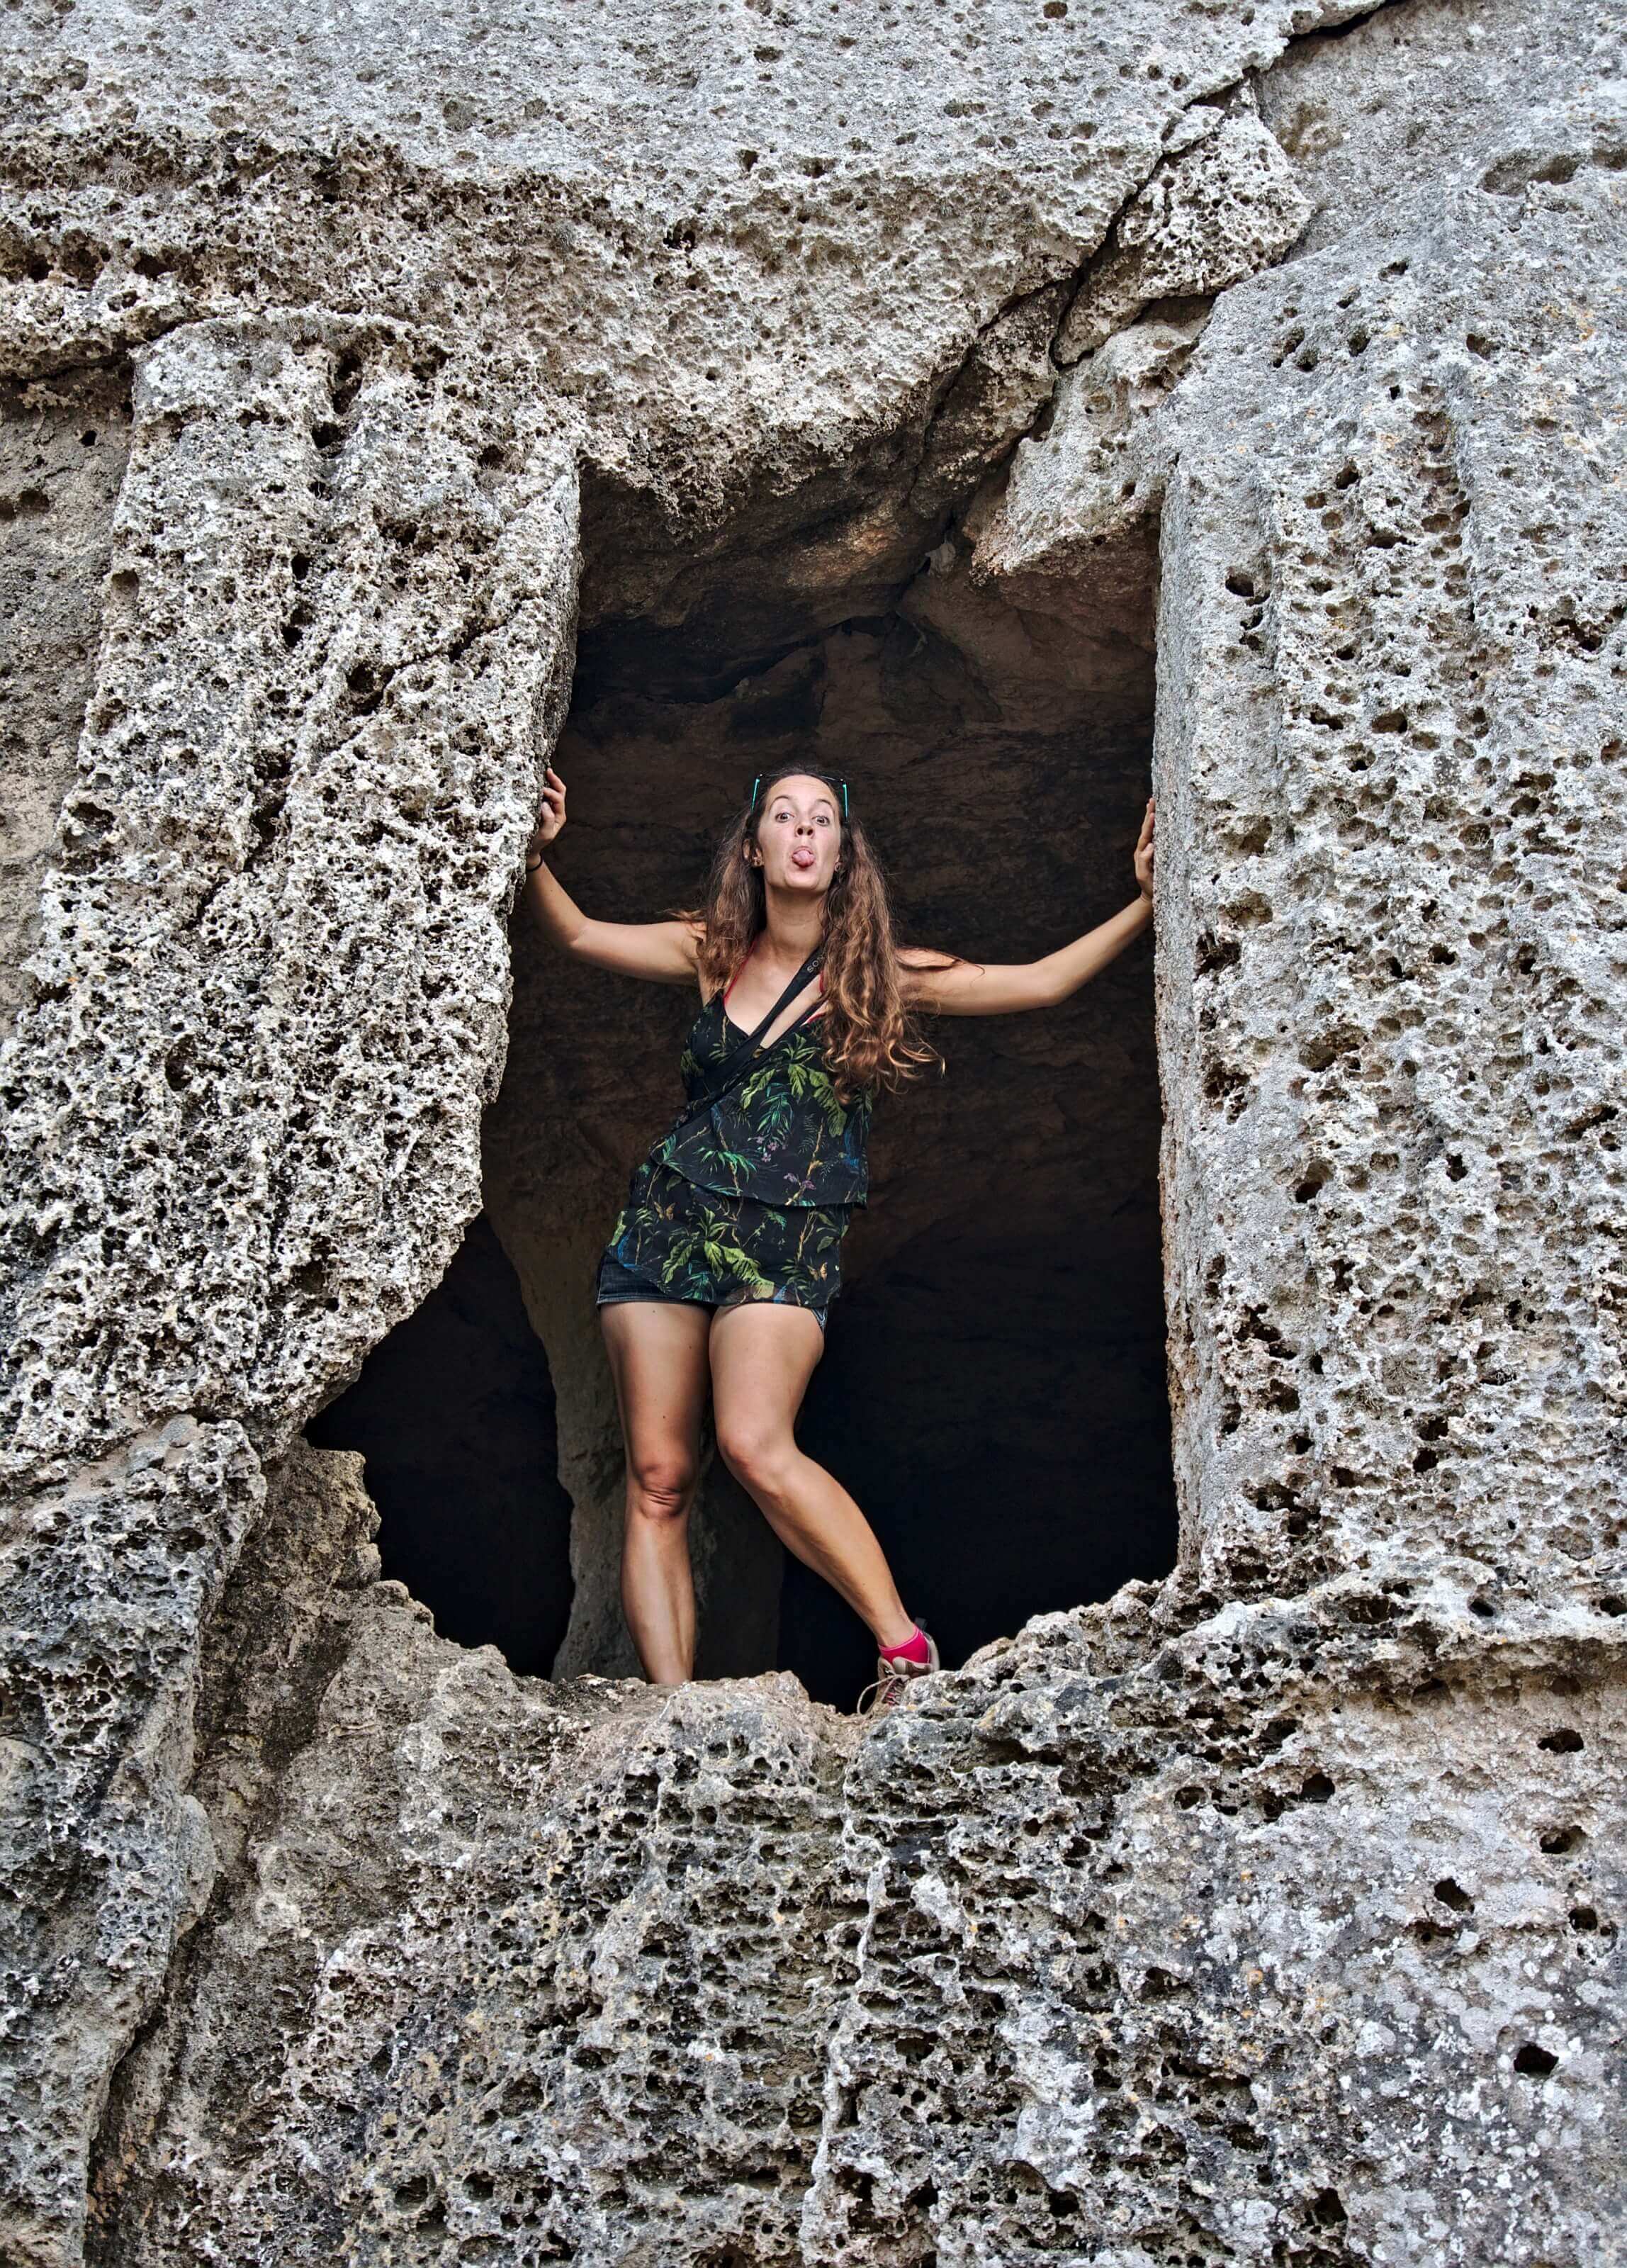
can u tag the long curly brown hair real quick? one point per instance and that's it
(870, 1038)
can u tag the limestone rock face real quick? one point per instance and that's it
(1223, 203)
(1269, 1914)
(1153, 1918)
(658, 1867)
(737, 251)
(64, 439)
(329, 643)
(1069, 532)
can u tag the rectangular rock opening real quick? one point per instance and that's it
(993, 1389)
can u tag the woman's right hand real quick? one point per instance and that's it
(550, 819)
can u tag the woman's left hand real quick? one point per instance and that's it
(1144, 854)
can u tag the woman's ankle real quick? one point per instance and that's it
(911, 1648)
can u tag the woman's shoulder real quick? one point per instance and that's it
(708, 982)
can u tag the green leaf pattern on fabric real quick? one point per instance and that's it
(783, 1134)
(751, 1199)
(696, 1244)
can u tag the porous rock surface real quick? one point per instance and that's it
(1233, 1932)
(1270, 1914)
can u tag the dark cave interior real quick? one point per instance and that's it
(453, 1413)
(993, 1390)
(996, 1399)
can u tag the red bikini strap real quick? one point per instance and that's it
(745, 957)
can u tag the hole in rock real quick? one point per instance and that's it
(993, 1387)
(453, 1413)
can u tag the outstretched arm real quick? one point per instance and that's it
(970, 988)
(664, 951)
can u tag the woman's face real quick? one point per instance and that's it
(799, 835)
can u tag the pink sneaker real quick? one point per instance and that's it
(894, 1679)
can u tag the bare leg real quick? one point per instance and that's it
(762, 1356)
(658, 1359)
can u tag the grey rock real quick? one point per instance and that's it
(1393, 1135)
(64, 441)
(1072, 532)
(740, 254)
(433, 1831)
(1222, 206)
(331, 645)
(1151, 1920)
(1381, 119)
(1270, 1913)
(108, 1854)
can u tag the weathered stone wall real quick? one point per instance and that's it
(266, 1005)
(64, 439)
(1285, 1934)
(1270, 1916)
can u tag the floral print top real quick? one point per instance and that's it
(781, 1134)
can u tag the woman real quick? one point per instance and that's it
(722, 1266)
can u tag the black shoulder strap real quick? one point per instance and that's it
(809, 968)
(737, 1062)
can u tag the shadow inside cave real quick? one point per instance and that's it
(995, 1398)
(453, 1414)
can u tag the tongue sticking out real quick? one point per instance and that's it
(802, 857)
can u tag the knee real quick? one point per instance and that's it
(758, 1456)
(659, 1487)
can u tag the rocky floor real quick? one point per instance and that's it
(1159, 1933)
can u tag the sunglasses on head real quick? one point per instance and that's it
(830, 778)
